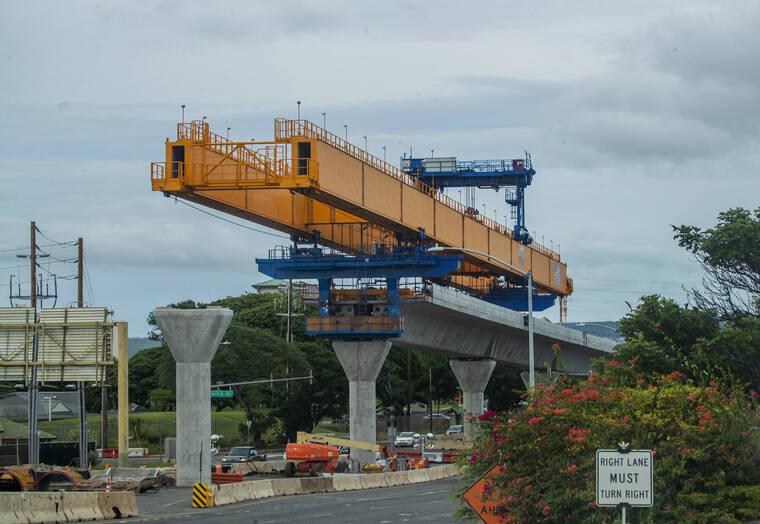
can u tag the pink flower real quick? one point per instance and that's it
(547, 509)
(473, 458)
(486, 415)
(572, 468)
(534, 420)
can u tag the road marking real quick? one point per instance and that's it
(172, 503)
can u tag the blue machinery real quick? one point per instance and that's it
(515, 174)
(371, 309)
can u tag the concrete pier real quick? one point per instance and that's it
(473, 376)
(193, 335)
(362, 361)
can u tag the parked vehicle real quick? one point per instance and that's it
(455, 429)
(440, 416)
(406, 438)
(244, 454)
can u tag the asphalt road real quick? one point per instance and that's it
(424, 502)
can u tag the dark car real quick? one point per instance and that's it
(244, 454)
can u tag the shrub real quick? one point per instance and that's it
(706, 464)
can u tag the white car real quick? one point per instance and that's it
(406, 438)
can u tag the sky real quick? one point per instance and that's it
(638, 115)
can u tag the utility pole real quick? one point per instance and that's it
(33, 439)
(409, 387)
(80, 384)
(289, 333)
(430, 397)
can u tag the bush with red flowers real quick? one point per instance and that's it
(705, 441)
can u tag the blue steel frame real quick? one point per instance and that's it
(388, 262)
(493, 174)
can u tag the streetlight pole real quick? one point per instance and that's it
(365, 142)
(324, 121)
(50, 399)
(299, 109)
(346, 127)
(525, 274)
(384, 154)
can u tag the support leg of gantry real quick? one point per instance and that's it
(473, 376)
(362, 361)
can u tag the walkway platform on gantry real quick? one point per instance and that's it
(449, 322)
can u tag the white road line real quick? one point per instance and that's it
(172, 503)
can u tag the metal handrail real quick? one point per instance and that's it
(285, 129)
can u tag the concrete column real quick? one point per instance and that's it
(473, 376)
(362, 361)
(193, 335)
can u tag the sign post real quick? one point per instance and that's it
(624, 477)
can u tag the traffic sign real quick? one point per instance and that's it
(221, 393)
(483, 503)
(624, 478)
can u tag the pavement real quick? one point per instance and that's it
(424, 502)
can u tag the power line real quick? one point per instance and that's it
(26, 248)
(55, 241)
(232, 222)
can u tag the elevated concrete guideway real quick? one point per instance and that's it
(448, 322)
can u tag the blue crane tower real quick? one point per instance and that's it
(514, 175)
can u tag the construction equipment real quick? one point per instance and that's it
(364, 219)
(317, 454)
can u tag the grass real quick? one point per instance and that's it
(148, 430)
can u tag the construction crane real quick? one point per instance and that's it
(444, 172)
(353, 216)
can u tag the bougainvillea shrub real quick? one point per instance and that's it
(704, 441)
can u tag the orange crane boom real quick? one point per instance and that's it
(311, 181)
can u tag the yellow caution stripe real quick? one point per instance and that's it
(200, 495)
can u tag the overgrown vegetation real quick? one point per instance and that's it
(683, 384)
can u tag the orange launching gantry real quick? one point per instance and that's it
(320, 189)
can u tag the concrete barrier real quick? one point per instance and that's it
(374, 480)
(117, 504)
(347, 482)
(317, 485)
(43, 507)
(11, 510)
(81, 506)
(259, 489)
(282, 487)
(400, 478)
(418, 475)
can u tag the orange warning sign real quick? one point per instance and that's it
(483, 506)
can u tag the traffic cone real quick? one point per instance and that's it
(108, 483)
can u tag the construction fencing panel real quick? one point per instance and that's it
(72, 344)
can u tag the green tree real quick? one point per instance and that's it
(729, 254)
(144, 373)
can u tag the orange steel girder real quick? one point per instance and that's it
(310, 180)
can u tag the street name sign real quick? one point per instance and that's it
(483, 504)
(624, 478)
(221, 393)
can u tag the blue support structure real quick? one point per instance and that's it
(446, 172)
(516, 298)
(387, 263)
